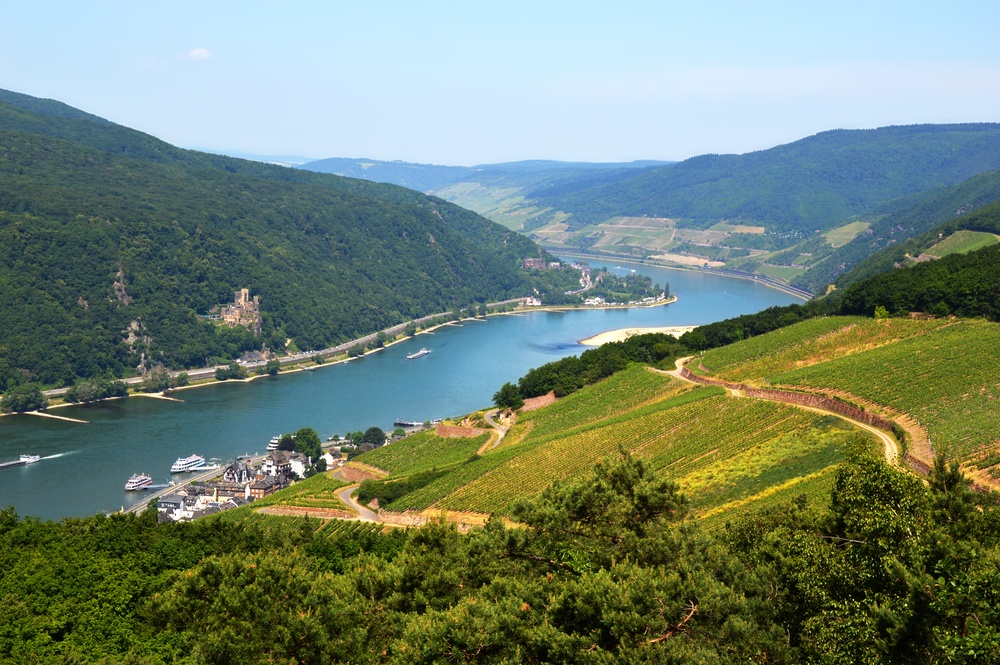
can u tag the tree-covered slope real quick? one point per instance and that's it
(815, 183)
(103, 228)
(903, 226)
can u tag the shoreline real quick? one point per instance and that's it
(622, 334)
(301, 365)
(764, 279)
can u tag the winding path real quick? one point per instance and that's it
(889, 443)
(500, 429)
(364, 514)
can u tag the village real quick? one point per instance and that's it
(241, 483)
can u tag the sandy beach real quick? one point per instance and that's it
(622, 334)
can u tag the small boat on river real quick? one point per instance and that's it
(418, 354)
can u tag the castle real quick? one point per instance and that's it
(242, 311)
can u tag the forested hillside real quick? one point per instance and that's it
(113, 243)
(815, 183)
(902, 226)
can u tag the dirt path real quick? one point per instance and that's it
(889, 443)
(500, 430)
(364, 514)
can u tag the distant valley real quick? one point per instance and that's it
(805, 213)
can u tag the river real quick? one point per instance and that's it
(85, 466)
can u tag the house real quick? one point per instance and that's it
(238, 472)
(278, 463)
(261, 488)
(298, 463)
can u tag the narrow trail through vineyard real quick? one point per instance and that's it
(889, 443)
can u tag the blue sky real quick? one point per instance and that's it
(478, 82)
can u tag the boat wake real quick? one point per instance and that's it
(59, 455)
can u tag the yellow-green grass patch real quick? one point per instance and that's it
(842, 235)
(961, 242)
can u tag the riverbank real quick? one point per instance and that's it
(623, 334)
(766, 280)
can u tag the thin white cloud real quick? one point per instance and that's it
(199, 53)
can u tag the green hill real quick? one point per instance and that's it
(908, 225)
(726, 453)
(815, 183)
(105, 231)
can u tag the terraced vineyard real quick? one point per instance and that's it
(620, 392)
(718, 447)
(422, 451)
(946, 378)
(811, 341)
(319, 491)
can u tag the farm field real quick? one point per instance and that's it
(422, 451)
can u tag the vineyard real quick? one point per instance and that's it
(718, 448)
(946, 379)
(809, 342)
(319, 491)
(620, 392)
(422, 451)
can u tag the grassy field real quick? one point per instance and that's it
(962, 242)
(842, 235)
(421, 452)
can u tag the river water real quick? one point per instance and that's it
(85, 466)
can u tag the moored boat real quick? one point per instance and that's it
(190, 463)
(138, 481)
(274, 442)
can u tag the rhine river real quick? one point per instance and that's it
(85, 466)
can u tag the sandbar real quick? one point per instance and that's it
(623, 334)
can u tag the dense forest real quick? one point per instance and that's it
(603, 569)
(112, 243)
(814, 183)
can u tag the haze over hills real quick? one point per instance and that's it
(113, 243)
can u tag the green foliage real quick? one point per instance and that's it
(387, 491)
(570, 374)
(158, 380)
(90, 391)
(86, 204)
(231, 371)
(508, 397)
(374, 436)
(25, 397)
(273, 367)
(307, 442)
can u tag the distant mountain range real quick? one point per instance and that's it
(805, 213)
(112, 243)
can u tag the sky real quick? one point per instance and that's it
(483, 82)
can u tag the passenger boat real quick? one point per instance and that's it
(418, 354)
(274, 442)
(138, 481)
(192, 463)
